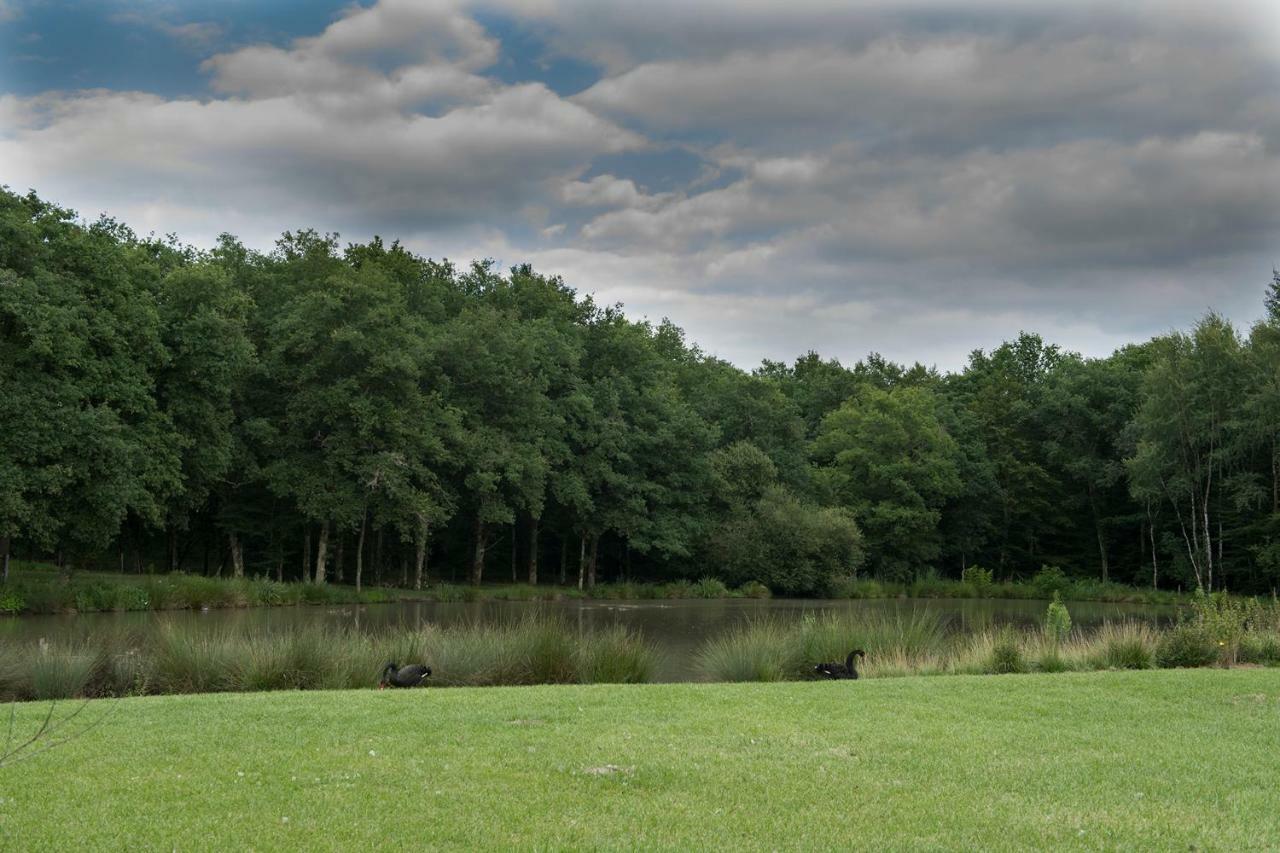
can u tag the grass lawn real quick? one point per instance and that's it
(1116, 760)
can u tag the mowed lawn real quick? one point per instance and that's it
(1151, 760)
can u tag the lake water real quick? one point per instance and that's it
(677, 627)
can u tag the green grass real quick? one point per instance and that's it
(1156, 760)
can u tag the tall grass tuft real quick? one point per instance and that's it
(1006, 654)
(760, 650)
(195, 662)
(616, 655)
(1125, 645)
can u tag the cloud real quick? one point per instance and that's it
(317, 132)
(915, 177)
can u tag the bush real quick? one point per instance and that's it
(1006, 653)
(93, 597)
(1224, 619)
(1261, 647)
(754, 589)
(1185, 644)
(977, 577)
(1050, 580)
(1057, 621)
(130, 597)
(11, 601)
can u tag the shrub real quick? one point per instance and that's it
(1050, 580)
(1261, 647)
(754, 589)
(1185, 644)
(1224, 619)
(1006, 653)
(93, 597)
(977, 577)
(11, 601)
(130, 597)
(1057, 621)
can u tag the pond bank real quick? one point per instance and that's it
(36, 589)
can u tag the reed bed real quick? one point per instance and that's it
(172, 660)
(919, 644)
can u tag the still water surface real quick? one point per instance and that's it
(677, 627)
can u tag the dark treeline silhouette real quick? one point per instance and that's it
(366, 415)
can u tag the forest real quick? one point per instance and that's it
(358, 413)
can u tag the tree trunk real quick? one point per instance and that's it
(377, 557)
(322, 552)
(1155, 565)
(237, 556)
(306, 553)
(338, 559)
(173, 548)
(4, 558)
(420, 557)
(477, 562)
(280, 566)
(515, 551)
(591, 563)
(364, 518)
(582, 560)
(564, 558)
(533, 551)
(1097, 528)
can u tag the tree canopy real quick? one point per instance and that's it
(361, 413)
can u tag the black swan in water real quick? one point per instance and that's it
(848, 669)
(394, 675)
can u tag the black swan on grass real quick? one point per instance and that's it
(848, 669)
(394, 675)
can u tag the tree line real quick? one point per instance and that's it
(365, 414)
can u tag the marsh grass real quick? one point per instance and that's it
(1125, 645)
(760, 650)
(173, 660)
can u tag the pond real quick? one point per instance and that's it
(678, 627)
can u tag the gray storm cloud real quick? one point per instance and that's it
(915, 178)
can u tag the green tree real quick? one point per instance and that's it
(886, 456)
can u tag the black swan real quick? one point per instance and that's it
(848, 669)
(394, 675)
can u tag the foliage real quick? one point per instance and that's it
(363, 415)
(1185, 644)
(1006, 653)
(977, 577)
(1057, 621)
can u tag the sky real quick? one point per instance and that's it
(916, 178)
